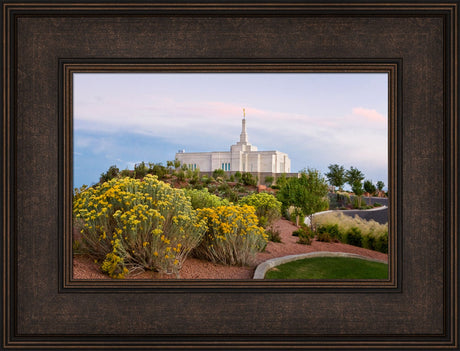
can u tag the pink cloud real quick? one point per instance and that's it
(370, 115)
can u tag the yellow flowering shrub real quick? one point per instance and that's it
(233, 236)
(130, 224)
(268, 208)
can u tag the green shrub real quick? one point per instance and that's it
(381, 243)
(304, 240)
(324, 237)
(249, 179)
(130, 224)
(328, 233)
(206, 180)
(218, 173)
(189, 173)
(111, 173)
(226, 191)
(354, 230)
(368, 242)
(268, 208)
(281, 181)
(354, 237)
(222, 187)
(293, 214)
(125, 173)
(202, 199)
(157, 169)
(180, 174)
(140, 170)
(274, 235)
(195, 176)
(220, 180)
(269, 180)
(212, 188)
(233, 236)
(305, 235)
(194, 181)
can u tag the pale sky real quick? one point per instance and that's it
(316, 118)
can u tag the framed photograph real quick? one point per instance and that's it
(161, 117)
(73, 72)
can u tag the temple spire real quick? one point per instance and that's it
(243, 135)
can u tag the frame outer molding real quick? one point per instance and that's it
(14, 320)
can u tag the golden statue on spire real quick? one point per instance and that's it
(244, 113)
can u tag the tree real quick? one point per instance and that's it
(140, 170)
(292, 194)
(307, 194)
(380, 185)
(111, 173)
(369, 187)
(173, 165)
(125, 173)
(157, 169)
(280, 181)
(336, 176)
(354, 177)
(170, 166)
(358, 190)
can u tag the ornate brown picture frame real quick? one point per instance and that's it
(416, 43)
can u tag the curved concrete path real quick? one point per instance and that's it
(262, 268)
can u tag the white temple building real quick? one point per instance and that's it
(242, 157)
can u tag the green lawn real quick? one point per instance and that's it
(329, 268)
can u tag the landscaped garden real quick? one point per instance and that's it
(163, 219)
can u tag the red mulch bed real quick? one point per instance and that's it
(85, 268)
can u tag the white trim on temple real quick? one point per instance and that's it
(242, 157)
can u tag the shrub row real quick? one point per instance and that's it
(354, 231)
(129, 224)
